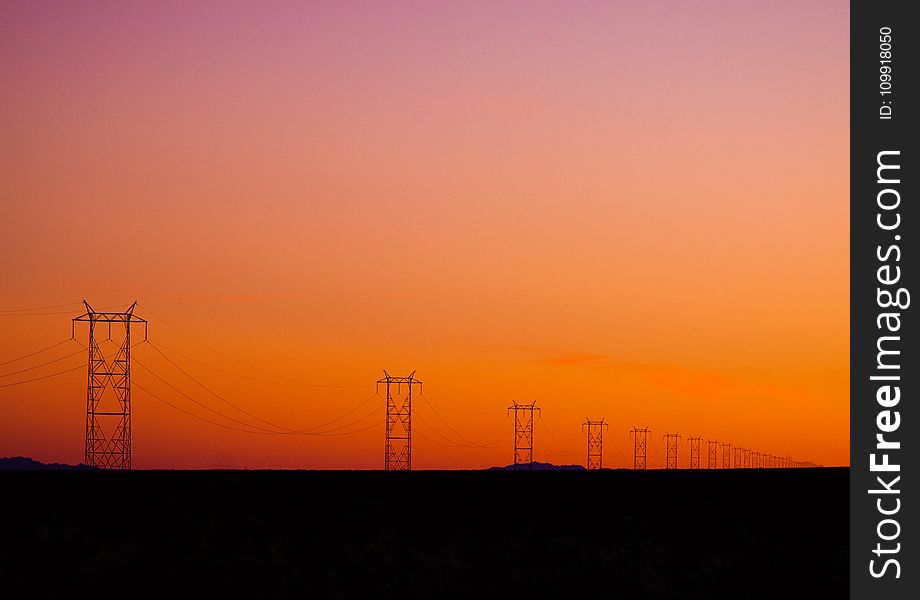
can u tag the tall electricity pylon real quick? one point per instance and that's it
(640, 447)
(398, 456)
(694, 451)
(747, 458)
(108, 387)
(523, 434)
(671, 441)
(726, 456)
(595, 431)
(739, 457)
(712, 454)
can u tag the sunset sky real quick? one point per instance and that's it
(631, 210)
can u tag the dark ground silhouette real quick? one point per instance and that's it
(473, 534)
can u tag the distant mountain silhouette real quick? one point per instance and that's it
(24, 463)
(539, 466)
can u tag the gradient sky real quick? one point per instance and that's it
(630, 210)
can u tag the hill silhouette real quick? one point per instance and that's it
(24, 463)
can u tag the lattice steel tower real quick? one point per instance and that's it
(739, 457)
(523, 434)
(108, 387)
(694, 451)
(595, 431)
(640, 447)
(671, 441)
(398, 456)
(712, 452)
(726, 456)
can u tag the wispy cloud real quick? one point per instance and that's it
(673, 377)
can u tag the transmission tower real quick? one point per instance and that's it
(694, 451)
(108, 387)
(712, 454)
(670, 444)
(523, 434)
(747, 458)
(640, 447)
(398, 455)
(595, 431)
(726, 456)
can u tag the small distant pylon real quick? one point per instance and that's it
(694, 451)
(747, 458)
(595, 431)
(398, 455)
(108, 388)
(523, 434)
(739, 457)
(640, 447)
(726, 456)
(712, 454)
(671, 441)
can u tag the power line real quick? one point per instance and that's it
(42, 377)
(234, 359)
(454, 444)
(39, 308)
(230, 427)
(201, 404)
(59, 372)
(249, 377)
(44, 364)
(443, 445)
(449, 426)
(24, 356)
(306, 430)
(256, 428)
(222, 399)
(561, 450)
(218, 396)
(38, 312)
(450, 443)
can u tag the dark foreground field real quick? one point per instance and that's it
(613, 534)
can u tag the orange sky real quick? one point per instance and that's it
(636, 211)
